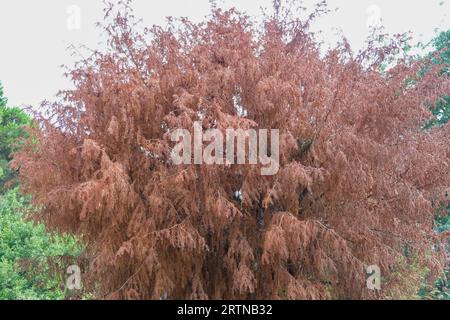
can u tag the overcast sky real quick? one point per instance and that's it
(34, 34)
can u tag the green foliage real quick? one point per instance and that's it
(28, 252)
(441, 116)
(441, 110)
(441, 288)
(442, 43)
(12, 121)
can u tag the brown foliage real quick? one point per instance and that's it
(359, 182)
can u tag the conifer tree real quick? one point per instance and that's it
(359, 180)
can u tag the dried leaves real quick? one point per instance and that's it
(359, 178)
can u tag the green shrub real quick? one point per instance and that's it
(31, 259)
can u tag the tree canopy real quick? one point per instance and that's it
(360, 181)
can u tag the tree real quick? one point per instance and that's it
(359, 179)
(441, 110)
(441, 116)
(12, 121)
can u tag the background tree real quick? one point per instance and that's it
(441, 110)
(12, 122)
(441, 116)
(359, 184)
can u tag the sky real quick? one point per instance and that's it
(35, 34)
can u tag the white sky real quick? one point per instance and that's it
(34, 34)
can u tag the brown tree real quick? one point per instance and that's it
(359, 184)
